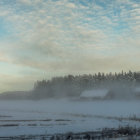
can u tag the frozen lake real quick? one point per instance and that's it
(61, 116)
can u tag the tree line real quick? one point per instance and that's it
(71, 85)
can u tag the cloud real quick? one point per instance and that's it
(70, 36)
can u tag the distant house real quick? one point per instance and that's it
(94, 94)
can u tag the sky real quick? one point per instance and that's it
(40, 39)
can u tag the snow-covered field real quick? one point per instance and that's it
(61, 116)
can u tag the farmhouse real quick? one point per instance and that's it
(94, 94)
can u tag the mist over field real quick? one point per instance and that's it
(118, 86)
(69, 69)
(74, 106)
(46, 118)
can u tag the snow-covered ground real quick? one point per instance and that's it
(60, 116)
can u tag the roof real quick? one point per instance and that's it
(94, 93)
